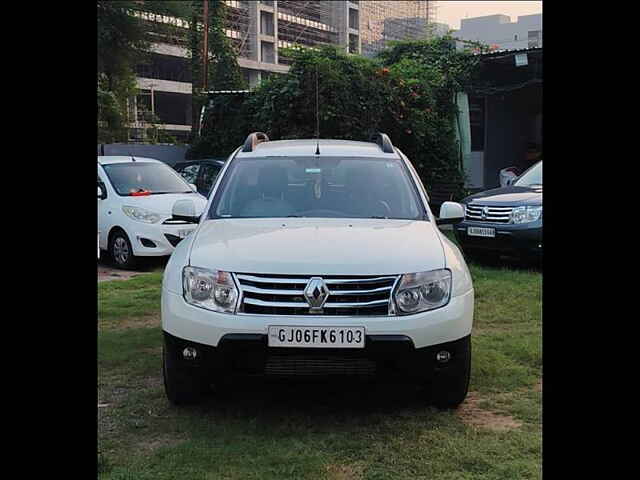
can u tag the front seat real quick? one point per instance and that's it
(271, 187)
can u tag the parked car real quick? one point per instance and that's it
(505, 221)
(135, 200)
(318, 259)
(202, 173)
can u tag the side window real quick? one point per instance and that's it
(190, 173)
(208, 177)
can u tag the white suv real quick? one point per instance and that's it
(318, 259)
(136, 198)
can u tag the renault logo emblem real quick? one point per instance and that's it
(316, 293)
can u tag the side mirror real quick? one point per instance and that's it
(450, 213)
(101, 193)
(185, 210)
(193, 187)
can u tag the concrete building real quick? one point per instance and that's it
(259, 30)
(499, 30)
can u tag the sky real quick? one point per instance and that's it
(452, 11)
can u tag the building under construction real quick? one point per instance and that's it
(259, 31)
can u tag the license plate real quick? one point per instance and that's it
(317, 337)
(481, 232)
(184, 233)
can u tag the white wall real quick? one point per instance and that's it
(500, 30)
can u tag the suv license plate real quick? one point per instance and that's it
(481, 232)
(316, 337)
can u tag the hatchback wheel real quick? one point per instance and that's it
(121, 251)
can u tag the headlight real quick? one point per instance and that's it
(141, 214)
(419, 292)
(526, 214)
(211, 289)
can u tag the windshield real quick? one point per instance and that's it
(150, 178)
(330, 187)
(533, 176)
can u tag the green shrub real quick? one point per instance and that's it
(408, 93)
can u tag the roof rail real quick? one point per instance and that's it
(253, 140)
(383, 142)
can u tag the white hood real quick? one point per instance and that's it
(317, 246)
(163, 203)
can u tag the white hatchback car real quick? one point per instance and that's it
(136, 198)
(318, 259)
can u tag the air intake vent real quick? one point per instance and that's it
(318, 366)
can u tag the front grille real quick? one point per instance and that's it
(318, 365)
(284, 294)
(493, 214)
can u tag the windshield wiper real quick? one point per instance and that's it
(377, 216)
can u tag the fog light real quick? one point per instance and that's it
(443, 356)
(189, 353)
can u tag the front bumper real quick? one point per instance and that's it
(164, 237)
(425, 329)
(389, 357)
(519, 240)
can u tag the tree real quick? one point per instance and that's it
(123, 42)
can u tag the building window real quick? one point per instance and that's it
(353, 19)
(535, 38)
(267, 2)
(515, 37)
(246, 74)
(267, 52)
(266, 23)
(476, 120)
(353, 43)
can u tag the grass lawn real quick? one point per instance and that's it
(256, 432)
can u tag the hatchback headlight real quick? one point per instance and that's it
(419, 292)
(140, 214)
(211, 289)
(526, 214)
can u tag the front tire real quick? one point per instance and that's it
(182, 386)
(121, 251)
(449, 389)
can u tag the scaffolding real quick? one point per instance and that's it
(238, 23)
(307, 23)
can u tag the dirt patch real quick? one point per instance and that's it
(471, 414)
(538, 386)
(344, 472)
(106, 273)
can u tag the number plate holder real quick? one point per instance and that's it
(315, 336)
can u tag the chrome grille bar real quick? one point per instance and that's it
(251, 278)
(270, 291)
(253, 301)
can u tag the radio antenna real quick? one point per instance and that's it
(317, 116)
